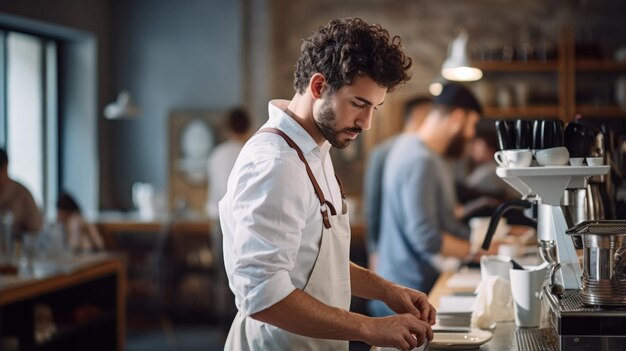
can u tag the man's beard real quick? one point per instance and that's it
(326, 123)
(456, 148)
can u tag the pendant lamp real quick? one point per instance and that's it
(456, 67)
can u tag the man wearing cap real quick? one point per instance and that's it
(419, 229)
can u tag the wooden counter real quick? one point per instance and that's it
(97, 280)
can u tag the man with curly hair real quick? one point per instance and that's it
(285, 224)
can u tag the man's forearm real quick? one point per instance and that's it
(367, 284)
(455, 247)
(302, 314)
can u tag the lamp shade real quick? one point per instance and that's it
(123, 107)
(456, 67)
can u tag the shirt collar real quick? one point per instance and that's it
(281, 120)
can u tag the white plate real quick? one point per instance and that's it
(452, 341)
(460, 341)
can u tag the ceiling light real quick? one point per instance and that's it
(456, 67)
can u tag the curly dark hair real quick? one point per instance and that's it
(346, 48)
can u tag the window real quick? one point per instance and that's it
(28, 117)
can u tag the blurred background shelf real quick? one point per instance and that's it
(518, 66)
(600, 65)
(521, 112)
(601, 111)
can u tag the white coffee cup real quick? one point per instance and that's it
(514, 158)
(526, 287)
(576, 161)
(554, 156)
(595, 161)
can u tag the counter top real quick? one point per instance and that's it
(53, 275)
(504, 336)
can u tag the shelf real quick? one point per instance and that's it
(521, 112)
(599, 65)
(600, 111)
(517, 66)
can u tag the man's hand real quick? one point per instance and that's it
(404, 331)
(405, 300)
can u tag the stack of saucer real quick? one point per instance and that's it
(455, 311)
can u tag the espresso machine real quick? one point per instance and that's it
(545, 187)
(587, 311)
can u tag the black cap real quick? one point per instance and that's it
(456, 95)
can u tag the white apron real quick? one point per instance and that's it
(329, 282)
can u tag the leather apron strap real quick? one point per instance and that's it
(318, 190)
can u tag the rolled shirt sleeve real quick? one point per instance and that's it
(263, 231)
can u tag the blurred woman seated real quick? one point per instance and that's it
(81, 235)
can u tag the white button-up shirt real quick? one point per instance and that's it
(270, 215)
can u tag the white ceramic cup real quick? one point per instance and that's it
(495, 266)
(514, 158)
(576, 161)
(526, 289)
(555, 156)
(595, 161)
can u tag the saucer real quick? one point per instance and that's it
(462, 340)
(450, 339)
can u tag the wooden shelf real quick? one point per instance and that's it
(521, 112)
(600, 111)
(517, 66)
(599, 65)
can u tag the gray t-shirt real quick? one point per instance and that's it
(418, 205)
(372, 192)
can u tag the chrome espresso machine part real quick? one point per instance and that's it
(546, 186)
(576, 324)
(604, 262)
(594, 317)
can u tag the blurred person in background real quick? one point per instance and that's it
(17, 202)
(419, 227)
(220, 163)
(81, 235)
(481, 190)
(415, 110)
(223, 157)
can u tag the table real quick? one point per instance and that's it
(64, 284)
(112, 224)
